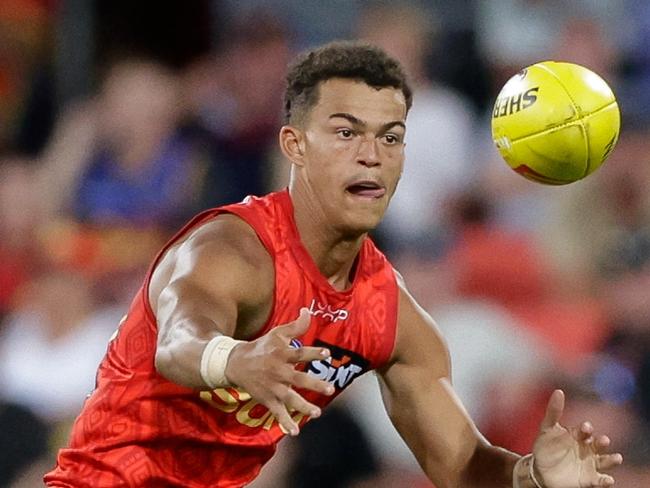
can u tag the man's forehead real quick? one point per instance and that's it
(339, 95)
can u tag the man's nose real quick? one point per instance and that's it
(368, 152)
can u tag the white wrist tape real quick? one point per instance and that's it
(515, 473)
(214, 361)
(531, 472)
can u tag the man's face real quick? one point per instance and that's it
(353, 152)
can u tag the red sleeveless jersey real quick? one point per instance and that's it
(139, 429)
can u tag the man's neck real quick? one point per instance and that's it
(333, 253)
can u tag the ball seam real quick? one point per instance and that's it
(564, 124)
(578, 111)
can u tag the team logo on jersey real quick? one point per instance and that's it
(341, 368)
(324, 310)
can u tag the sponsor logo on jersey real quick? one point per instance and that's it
(324, 310)
(340, 369)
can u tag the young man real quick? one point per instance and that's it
(211, 367)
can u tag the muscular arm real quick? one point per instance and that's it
(417, 392)
(202, 288)
(220, 281)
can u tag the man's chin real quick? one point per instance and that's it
(357, 224)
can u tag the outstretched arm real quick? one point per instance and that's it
(420, 400)
(218, 284)
(418, 395)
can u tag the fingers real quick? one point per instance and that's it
(608, 461)
(289, 401)
(601, 443)
(585, 433)
(287, 424)
(604, 480)
(306, 354)
(605, 460)
(296, 328)
(278, 377)
(554, 410)
(602, 461)
(294, 402)
(306, 382)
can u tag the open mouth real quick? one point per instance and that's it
(367, 189)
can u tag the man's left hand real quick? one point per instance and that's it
(571, 458)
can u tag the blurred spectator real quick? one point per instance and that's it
(620, 376)
(312, 21)
(332, 451)
(23, 440)
(585, 41)
(509, 268)
(125, 154)
(132, 172)
(643, 384)
(599, 233)
(64, 158)
(26, 87)
(485, 341)
(237, 97)
(174, 33)
(364, 402)
(439, 136)
(340, 449)
(144, 169)
(516, 33)
(18, 227)
(457, 62)
(51, 345)
(633, 92)
(113, 258)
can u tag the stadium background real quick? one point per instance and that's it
(120, 119)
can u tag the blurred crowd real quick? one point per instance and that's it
(119, 120)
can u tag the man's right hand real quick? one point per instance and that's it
(265, 369)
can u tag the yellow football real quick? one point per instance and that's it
(555, 122)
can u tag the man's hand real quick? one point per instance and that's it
(265, 368)
(571, 458)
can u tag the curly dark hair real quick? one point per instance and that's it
(339, 59)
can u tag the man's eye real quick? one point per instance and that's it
(391, 139)
(345, 133)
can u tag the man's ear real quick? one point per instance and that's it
(292, 144)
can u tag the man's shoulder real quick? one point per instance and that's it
(410, 311)
(222, 253)
(227, 235)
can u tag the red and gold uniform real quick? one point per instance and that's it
(139, 429)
